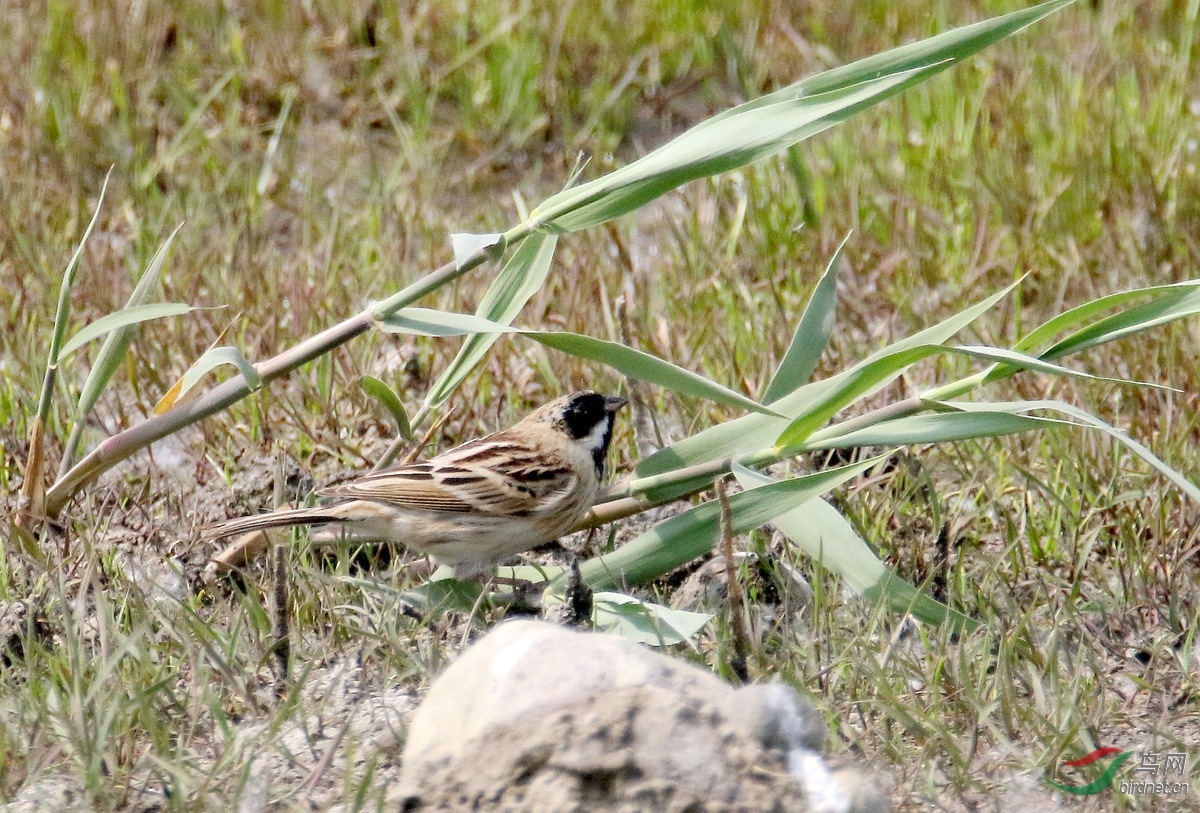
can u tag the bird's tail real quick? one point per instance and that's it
(275, 519)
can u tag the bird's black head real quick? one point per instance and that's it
(587, 417)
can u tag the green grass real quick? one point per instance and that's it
(1068, 152)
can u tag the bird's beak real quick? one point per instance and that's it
(613, 403)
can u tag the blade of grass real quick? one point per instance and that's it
(211, 359)
(895, 424)
(33, 495)
(774, 122)
(1084, 313)
(645, 622)
(126, 443)
(1180, 302)
(127, 317)
(381, 392)
(678, 540)
(645, 367)
(818, 529)
(755, 432)
(113, 351)
(1084, 418)
(465, 245)
(812, 334)
(866, 378)
(117, 343)
(521, 277)
(62, 315)
(954, 45)
(266, 174)
(941, 427)
(716, 146)
(167, 157)
(428, 322)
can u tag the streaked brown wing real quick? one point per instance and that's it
(411, 486)
(506, 475)
(512, 483)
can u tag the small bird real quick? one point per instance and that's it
(479, 503)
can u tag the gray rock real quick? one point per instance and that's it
(535, 717)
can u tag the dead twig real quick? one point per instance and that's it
(281, 650)
(737, 603)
